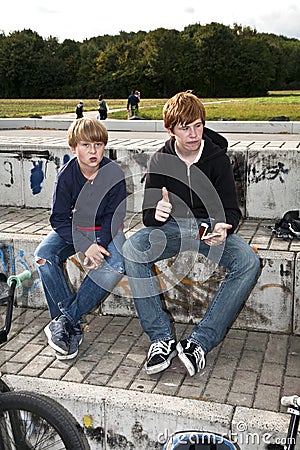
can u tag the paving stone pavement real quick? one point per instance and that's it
(248, 368)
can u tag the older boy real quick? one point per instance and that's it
(87, 217)
(189, 182)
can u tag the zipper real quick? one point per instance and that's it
(189, 212)
(188, 169)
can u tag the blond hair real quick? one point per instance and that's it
(87, 130)
(183, 108)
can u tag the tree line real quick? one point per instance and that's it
(213, 60)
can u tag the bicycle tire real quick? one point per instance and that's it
(31, 421)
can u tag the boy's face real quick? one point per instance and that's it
(188, 137)
(89, 154)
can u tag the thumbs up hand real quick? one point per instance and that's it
(163, 207)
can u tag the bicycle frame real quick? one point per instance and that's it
(9, 300)
(293, 404)
(13, 282)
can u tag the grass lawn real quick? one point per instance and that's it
(261, 108)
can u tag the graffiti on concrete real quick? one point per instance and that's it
(9, 169)
(117, 440)
(268, 173)
(9, 260)
(36, 177)
(13, 263)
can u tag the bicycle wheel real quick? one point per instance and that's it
(30, 421)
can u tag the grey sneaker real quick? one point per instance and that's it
(76, 339)
(192, 356)
(58, 333)
(160, 355)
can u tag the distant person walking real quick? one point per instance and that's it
(133, 103)
(79, 110)
(102, 107)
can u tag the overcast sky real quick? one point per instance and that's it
(79, 20)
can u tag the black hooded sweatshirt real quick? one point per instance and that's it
(206, 189)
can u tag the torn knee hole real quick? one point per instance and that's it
(41, 262)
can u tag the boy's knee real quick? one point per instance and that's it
(133, 246)
(40, 260)
(252, 262)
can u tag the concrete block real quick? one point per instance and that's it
(8, 124)
(55, 124)
(273, 182)
(130, 125)
(28, 174)
(296, 127)
(270, 304)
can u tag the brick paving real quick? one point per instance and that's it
(249, 368)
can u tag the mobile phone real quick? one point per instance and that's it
(202, 230)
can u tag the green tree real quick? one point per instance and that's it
(253, 66)
(161, 57)
(217, 44)
(20, 66)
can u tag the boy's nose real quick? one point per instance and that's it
(192, 131)
(93, 148)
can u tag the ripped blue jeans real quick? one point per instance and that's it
(97, 284)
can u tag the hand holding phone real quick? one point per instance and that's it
(210, 235)
(203, 235)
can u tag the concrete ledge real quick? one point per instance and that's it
(157, 125)
(28, 172)
(144, 421)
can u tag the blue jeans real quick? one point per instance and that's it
(97, 284)
(152, 244)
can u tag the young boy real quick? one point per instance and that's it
(189, 182)
(87, 217)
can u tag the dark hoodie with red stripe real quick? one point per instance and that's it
(206, 189)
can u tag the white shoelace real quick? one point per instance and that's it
(200, 357)
(161, 347)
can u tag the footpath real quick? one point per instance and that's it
(106, 387)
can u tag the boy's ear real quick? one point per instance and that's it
(170, 133)
(73, 150)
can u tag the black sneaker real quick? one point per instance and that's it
(76, 338)
(58, 332)
(192, 356)
(160, 355)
